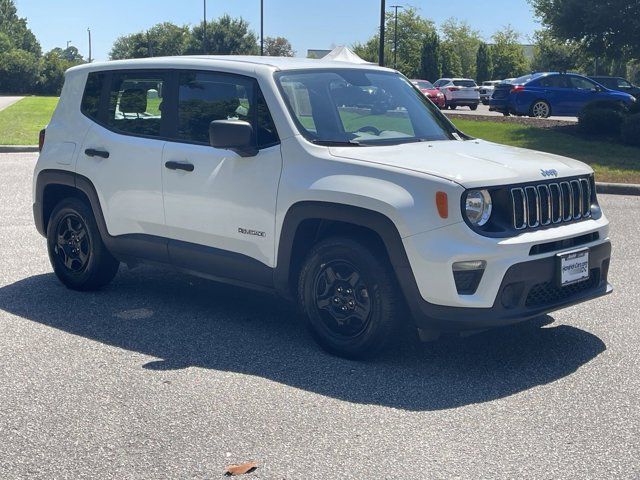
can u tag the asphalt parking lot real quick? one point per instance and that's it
(483, 111)
(163, 376)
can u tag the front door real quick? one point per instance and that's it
(212, 197)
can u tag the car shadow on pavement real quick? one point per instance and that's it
(185, 321)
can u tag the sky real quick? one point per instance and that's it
(316, 24)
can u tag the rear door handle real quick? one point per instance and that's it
(92, 152)
(186, 166)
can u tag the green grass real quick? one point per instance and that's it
(21, 122)
(611, 162)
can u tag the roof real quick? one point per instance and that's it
(247, 63)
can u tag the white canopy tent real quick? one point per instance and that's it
(343, 54)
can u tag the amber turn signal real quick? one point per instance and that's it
(443, 204)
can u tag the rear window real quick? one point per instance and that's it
(525, 79)
(464, 83)
(92, 91)
(424, 84)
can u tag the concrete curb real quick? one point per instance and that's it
(18, 148)
(606, 188)
(618, 188)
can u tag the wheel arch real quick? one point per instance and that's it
(307, 222)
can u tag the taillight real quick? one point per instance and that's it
(41, 139)
(453, 89)
(517, 88)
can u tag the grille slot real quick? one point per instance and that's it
(546, 203)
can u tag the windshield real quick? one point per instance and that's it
(360, 107)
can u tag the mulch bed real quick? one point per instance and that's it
(524, 121)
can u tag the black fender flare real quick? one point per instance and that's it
(136, 245)
(362, 217)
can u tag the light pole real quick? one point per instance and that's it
(204, 29)
(395, 36)
(261, 28)
(89, 32)
(381, 46)
(69, 43)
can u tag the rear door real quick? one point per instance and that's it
(122, 150)
(220, 200)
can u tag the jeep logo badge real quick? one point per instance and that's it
(549, 173)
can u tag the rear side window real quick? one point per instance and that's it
(135, 103)
(553, 81)
(92, 91)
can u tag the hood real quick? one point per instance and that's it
(471, 163)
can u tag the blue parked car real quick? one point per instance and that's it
(545, 94)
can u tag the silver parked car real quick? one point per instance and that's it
(459, 92)
(486, 90)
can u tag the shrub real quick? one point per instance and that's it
(630, 130)
(601, 121)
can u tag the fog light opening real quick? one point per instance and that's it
(467, 275)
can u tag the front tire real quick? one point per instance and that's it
(76, 251)
(473, 107)
(349, 298)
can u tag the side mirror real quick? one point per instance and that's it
(235, 135)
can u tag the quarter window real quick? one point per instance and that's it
(136, 103)
(92, 92)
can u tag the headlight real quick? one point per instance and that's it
(478, 207)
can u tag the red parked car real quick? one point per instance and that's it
(431, 92)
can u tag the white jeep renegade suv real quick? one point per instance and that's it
(335, 185)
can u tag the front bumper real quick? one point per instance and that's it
(517, 284)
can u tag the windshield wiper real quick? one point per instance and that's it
(337, 143)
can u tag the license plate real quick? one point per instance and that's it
(574, 267)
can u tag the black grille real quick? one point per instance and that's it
(549, 293)
(544, 204)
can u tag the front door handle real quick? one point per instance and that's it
(186, 166)
(92, 152)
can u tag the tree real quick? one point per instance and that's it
(602, 28)
(484, 63)
(18, 71)
(278, 47)
(464, 41)
(508, 54)
(16, 29)
(450, 61)
(551, 54)
(412, 30)
(163, 39)
(53, 65)
(225, 36)
(430, 66)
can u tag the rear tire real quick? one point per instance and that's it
(76, 251)
(349, 298)
(473, 107)
(453, 107)
(540, 109)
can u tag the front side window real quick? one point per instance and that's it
(204, 97)
(135, 103)
(582, 83)
(360, 107)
